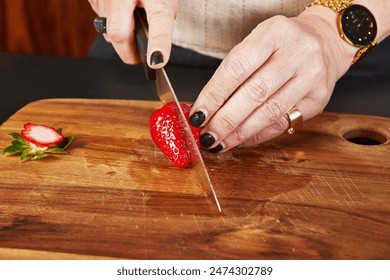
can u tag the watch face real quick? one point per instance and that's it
(358, 25)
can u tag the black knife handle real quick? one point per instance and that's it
(141, 35)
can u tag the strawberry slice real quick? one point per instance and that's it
(41, 135)
(167, 135)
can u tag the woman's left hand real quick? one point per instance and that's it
(284, 62)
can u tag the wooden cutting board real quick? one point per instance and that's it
(313, 195)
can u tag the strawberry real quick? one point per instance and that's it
(41, 135)
(166, 133)
(37, 142)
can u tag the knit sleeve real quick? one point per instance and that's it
(213, 27)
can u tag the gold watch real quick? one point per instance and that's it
(356, 24)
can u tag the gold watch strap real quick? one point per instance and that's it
(335, 5)
(362, 52)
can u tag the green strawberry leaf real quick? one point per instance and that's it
(18, 137)
(16, 147)
(18, 143)
(65, 143)
(55, 151)
(26, 155)
(59, 130)
(39, 156)
(11, 150)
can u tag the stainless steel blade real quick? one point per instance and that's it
(166, 94)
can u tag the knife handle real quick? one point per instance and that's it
(141, 35)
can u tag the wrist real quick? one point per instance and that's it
(324, 22)
(356, 24)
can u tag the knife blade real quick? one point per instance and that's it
(166, 94)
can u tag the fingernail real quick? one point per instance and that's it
(207, 140)
(197, 118)
(100, 24)
(216, 149)
(156, 58)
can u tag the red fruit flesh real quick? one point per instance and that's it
(166, 133)
(41, 135)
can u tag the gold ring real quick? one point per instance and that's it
(295, 120)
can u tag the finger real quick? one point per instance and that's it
(120, 30)
(106, 38)
(308, 108)
(100, 8)
(242, 61)
(252, 94)
(161, 15)
(270, 132)
(269, 113)
(95, 6)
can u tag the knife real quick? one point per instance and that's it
(166, 94)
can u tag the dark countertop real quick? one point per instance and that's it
(25, 78)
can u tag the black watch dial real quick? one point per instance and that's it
(359, 25)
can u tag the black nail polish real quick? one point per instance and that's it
(207, 140)
(100, 24)
(156, 58)
(216, 149)
(197, 119)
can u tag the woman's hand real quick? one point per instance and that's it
(120, 28)
(284, 62)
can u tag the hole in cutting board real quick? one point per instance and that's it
(365, 137)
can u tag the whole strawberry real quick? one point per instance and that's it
(166, 133)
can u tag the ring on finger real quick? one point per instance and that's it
(295, 120)
(100, 24)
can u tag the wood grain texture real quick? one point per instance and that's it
(54, 27)
(313, 195)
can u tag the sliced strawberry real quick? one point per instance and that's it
(195, 130)
(41, 135)
(166, 133)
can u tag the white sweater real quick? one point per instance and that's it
(213, 27)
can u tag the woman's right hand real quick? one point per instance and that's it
(120, 28)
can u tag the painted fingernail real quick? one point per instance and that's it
(216, 149)
(100, 24)
(197, 118)
(156, 58)
(207, 140)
